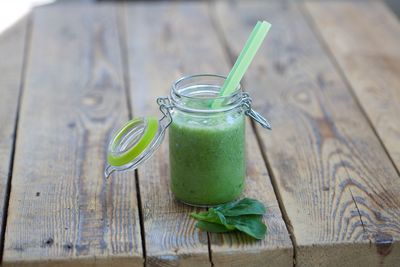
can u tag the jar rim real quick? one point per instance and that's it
(230, 101)
(184, 78)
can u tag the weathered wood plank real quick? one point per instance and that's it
(166, 50)
(12, 46)
(339, 189)
(62, 210)
(157, 58)
(365, 40)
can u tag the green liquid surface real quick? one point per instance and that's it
(207, 160)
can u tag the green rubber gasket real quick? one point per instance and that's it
(136, 150)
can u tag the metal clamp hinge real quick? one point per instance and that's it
(165, 106)
(249, 111)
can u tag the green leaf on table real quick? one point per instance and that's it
(245, 206)
(212, 227)
(249, 224)
(204, 216)
(244, 215)
(212, 216)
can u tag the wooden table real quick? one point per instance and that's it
(328, 77)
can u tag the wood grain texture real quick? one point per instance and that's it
(63, 212)
(156, 56)
(339, 189)
(12, 44)
(167, 49)
(368, 51)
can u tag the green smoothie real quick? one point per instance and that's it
(207, 158)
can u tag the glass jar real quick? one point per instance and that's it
(206, 140)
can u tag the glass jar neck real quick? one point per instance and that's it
(201, 94)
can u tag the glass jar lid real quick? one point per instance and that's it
(134, 143)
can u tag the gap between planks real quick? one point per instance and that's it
(285, 215)
(230, 55)
(121, 25)
(26, 50)
(121, 28)
(141, 218)
(311, 23)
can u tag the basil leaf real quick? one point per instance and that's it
(212, 227)
(249, 224)
(246, 206)
(244, 215)
(205, 216)
(222, 219)
(212, 216)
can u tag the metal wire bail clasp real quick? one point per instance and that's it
(246, 103)
(165, 107)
